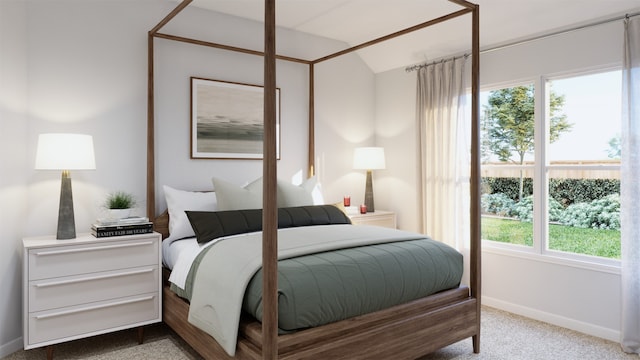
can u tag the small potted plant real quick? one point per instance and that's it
(119, 204)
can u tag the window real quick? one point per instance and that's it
(551, 178)
(507, 147)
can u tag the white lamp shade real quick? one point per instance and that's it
(65, 152)
(368, 158)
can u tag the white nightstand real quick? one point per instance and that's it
(89, 286)
(376, 218)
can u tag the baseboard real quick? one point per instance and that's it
(558, 320)
(11, 347)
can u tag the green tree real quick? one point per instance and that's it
(615, 147)
(509, 124)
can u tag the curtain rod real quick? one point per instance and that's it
(420, 66)
(560, 32)
(539, 37)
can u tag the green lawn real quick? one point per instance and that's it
(596, 242)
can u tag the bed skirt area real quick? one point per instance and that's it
(405, 331)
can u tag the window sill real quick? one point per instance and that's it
(604, 265)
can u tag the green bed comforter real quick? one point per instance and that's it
(224, 272)
(335, 285)
(322, 288)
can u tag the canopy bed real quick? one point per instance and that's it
(406, 330)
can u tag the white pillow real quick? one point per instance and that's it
(313, 186)
(178, 201)
(290, 195)
(233, 197)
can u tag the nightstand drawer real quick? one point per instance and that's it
(79, 289)
(93, 318)
(53, 262)
(376, 218)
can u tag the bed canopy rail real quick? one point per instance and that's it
(154, 33)
(269, 247)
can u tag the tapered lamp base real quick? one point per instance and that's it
(368, 192)
(66, 221)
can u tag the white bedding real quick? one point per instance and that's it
(179, 255)
(171, 250)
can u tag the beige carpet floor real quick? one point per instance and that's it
(504, 337)
(160, 343)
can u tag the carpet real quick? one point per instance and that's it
(160, 343)
(504, 336)
(164, 349)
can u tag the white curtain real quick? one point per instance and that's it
(630, 188)
(444, 135)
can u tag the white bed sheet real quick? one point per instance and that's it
(171, 250)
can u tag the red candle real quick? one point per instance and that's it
(347, 200)
(363, 209)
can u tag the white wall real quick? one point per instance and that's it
(344, 120)
(80, 66)
(396, 186)
(14, 168)
(566, 293)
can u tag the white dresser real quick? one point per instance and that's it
(88, 286)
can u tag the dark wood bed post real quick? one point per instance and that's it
(475, 176)
(312, 125)
(151, 162)
(269, 174)
(151, 179)
(476, 238)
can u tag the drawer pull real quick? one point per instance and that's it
(91, 278)
(93, 248)
(90, 308)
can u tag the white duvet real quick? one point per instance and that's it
(226, 270)
(187, 253)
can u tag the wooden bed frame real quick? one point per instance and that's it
(406, 331)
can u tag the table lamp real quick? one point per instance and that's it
(65, 152)
(369, 158)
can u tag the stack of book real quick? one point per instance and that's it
(119, 227)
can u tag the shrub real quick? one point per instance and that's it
(566, 191)
(523, 210)
(577, 215)
(571, 191)
(584, 203)
(508, 186)
(499, 204)
(607, 212)
(601, 213)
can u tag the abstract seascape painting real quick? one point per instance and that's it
(227, 120)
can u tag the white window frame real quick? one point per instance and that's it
(541, 168)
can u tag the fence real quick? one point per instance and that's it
(578, 169)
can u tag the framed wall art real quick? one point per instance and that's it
(227, 120)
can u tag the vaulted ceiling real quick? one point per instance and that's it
(358, 21)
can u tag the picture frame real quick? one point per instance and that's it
(227, 120)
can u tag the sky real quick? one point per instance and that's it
(593, 104)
